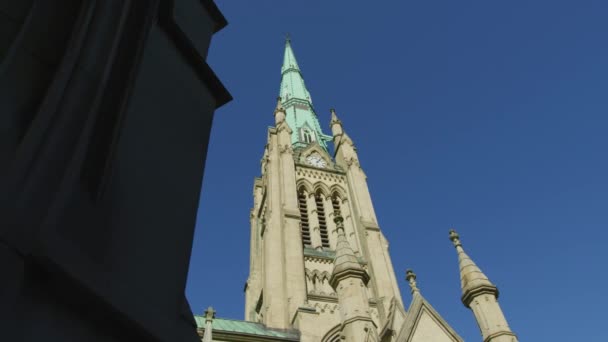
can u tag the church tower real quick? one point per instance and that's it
(319, 262)
(320, 270)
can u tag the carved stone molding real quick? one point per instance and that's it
(286, 149)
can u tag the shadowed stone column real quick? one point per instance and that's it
(106, 109)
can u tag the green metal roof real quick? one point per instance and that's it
(245, 327)
(296, 100)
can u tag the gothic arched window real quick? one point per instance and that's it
(307, 135)
(322, 220)
(304, 223)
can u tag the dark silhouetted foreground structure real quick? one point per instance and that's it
(105, 114)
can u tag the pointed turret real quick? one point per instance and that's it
(481, 296)
(344, 148)
(335, 124)
(345, 262)
(297, 102)
(279, 112)
(472, 279)
(349, 280)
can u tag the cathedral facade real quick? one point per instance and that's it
(320, 269)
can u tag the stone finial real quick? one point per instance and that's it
(455, 238)
(476, 285)
(472, 280)
(334, 117)
(410, 276)
(209, 314)
(346, 263)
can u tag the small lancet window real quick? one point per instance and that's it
(304, 223)
(322, 221)
(307, 136)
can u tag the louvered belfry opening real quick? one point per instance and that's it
(322, 221)
(304, 223)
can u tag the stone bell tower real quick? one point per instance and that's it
(319, 262)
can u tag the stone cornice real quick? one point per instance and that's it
(359, 318)
(319, 259)
(369, 225)
(335, 278)
(470, 294)
(326, 257)
(292, 214)
(489, 338)
(305, 168)
(322, 298)
(303, 310)
(334, 299)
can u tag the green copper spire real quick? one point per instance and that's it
(301, 116)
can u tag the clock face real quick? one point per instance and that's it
(316, 160)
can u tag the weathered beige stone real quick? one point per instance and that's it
(290, 286)
(428, 329)
(347, 291)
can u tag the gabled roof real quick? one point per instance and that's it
(247, 330)
(420, 311)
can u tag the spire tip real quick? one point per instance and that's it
(455, 238)
(279, 107)
(334, 116)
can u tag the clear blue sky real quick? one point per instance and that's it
(487, 116)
